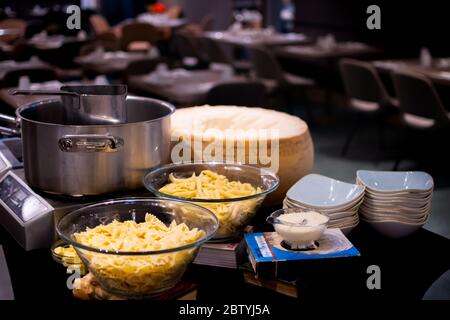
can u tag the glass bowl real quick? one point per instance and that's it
(298, 235)
(233, 213)
(140, 274)
(67, 256)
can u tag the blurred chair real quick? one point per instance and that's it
(367, 96)
(174, 12)
(4, 55)
(139, 36)
(99, 24)
(108, 41)
(219, 54)
(142, 66)
(205, 24)
(11, 78)
(19, 26)
(188, 47)
(103, 30)
(267, 69)
(420, 105)
(422, 112)
(183, 45)
(89, 48)
(139, 67)
(63, 57)
(239, 93)
(19, 51)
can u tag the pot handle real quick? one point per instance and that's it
(90, 143)
(42, 92)
(9, 131)
(6, 130)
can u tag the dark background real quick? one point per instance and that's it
(406, 25)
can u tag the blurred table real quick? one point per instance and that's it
(324, 61)
(59, 51)
(112, 62)
(438, 72)
(316, 52)
(10, 31)
(184, 90)
(160, 20)
(16, 101)
(259, 37)
(54, 42)
(11, 65)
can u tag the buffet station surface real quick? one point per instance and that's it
(407, 272)
(108, 196)
(409, 265)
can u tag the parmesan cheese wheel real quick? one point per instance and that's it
(263, 137)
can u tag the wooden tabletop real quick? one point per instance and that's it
(314, 51)
(438, 72)
(250, 38)
(186, 90)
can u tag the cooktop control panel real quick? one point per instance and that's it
(25, 214)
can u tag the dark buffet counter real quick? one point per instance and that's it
(408, 266)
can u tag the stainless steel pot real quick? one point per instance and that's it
(93, 159)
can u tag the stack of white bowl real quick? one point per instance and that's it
(395, 203)
(337, 199)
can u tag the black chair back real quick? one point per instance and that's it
(216, 51)
(418, 97)
(265, 64)
(249, 94)
(187, 46)
(362, 82)
(64, 56)
(142, 32)
(142, 66)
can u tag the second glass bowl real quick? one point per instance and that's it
(234, 213)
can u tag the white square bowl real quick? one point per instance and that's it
(353, 205)
(315, 190)
(407, 201)
(394, 229)
(396, 195)
(395, 216)
(395, 181)
(380, 205)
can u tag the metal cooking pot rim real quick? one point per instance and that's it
(36, 103)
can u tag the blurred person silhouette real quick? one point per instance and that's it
(287, 16)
